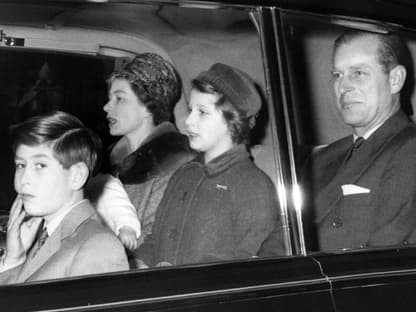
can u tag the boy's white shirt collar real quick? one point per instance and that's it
(52, 225)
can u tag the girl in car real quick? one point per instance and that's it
(219, 206)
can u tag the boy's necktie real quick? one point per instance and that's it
(41, 238)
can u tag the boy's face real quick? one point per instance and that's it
(41, 181)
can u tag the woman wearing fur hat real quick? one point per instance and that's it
(142, 96)
(219, 206)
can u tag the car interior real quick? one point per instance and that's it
(61, 57)
(61, 65)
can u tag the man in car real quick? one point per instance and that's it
(363, 186)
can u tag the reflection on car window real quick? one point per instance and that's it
(192, 39)
(350, 116)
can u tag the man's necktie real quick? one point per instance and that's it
(355, 146)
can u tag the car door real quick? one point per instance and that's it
(99, 37)
(366, 277)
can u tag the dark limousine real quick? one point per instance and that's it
(63, 51)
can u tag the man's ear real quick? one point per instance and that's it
(78, 176)
(397, 78)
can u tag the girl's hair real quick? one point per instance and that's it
(70, 141)
(237, 121)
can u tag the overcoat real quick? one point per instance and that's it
(222, 210)
(369, 199)
(80, 245)
(145, 172)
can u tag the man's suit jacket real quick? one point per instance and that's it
(80, 245)
(370, 199)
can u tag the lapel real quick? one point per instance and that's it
(349, 173)
(68, 226)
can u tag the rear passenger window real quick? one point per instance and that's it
(316, 122)
(68, 71)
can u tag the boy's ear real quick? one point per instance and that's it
(78, 175)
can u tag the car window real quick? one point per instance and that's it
(317, 123)
(34, 82)
(65, 65)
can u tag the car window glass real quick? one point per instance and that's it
(59, 75)
(316, 121)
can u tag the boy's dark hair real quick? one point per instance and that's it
(70, 141)
(238, 124)
(155, 82)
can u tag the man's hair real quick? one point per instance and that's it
(392, 51)
(237, 123)
(154, 81)
(71, 142)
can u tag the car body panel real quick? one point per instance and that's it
(233, 284)
(376, 280)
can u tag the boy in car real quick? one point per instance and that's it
(53, 231)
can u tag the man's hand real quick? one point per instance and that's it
(20, 234)
(128, 237)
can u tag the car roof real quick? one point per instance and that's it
(392, 11)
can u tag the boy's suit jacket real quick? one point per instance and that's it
(80, 245)
(370, 199)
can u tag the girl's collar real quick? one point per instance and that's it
(223, 161)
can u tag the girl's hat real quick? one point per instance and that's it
(236, 85)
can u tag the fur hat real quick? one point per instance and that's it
(154, 77)
(236, 85)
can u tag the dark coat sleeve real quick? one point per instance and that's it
(256, 217)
